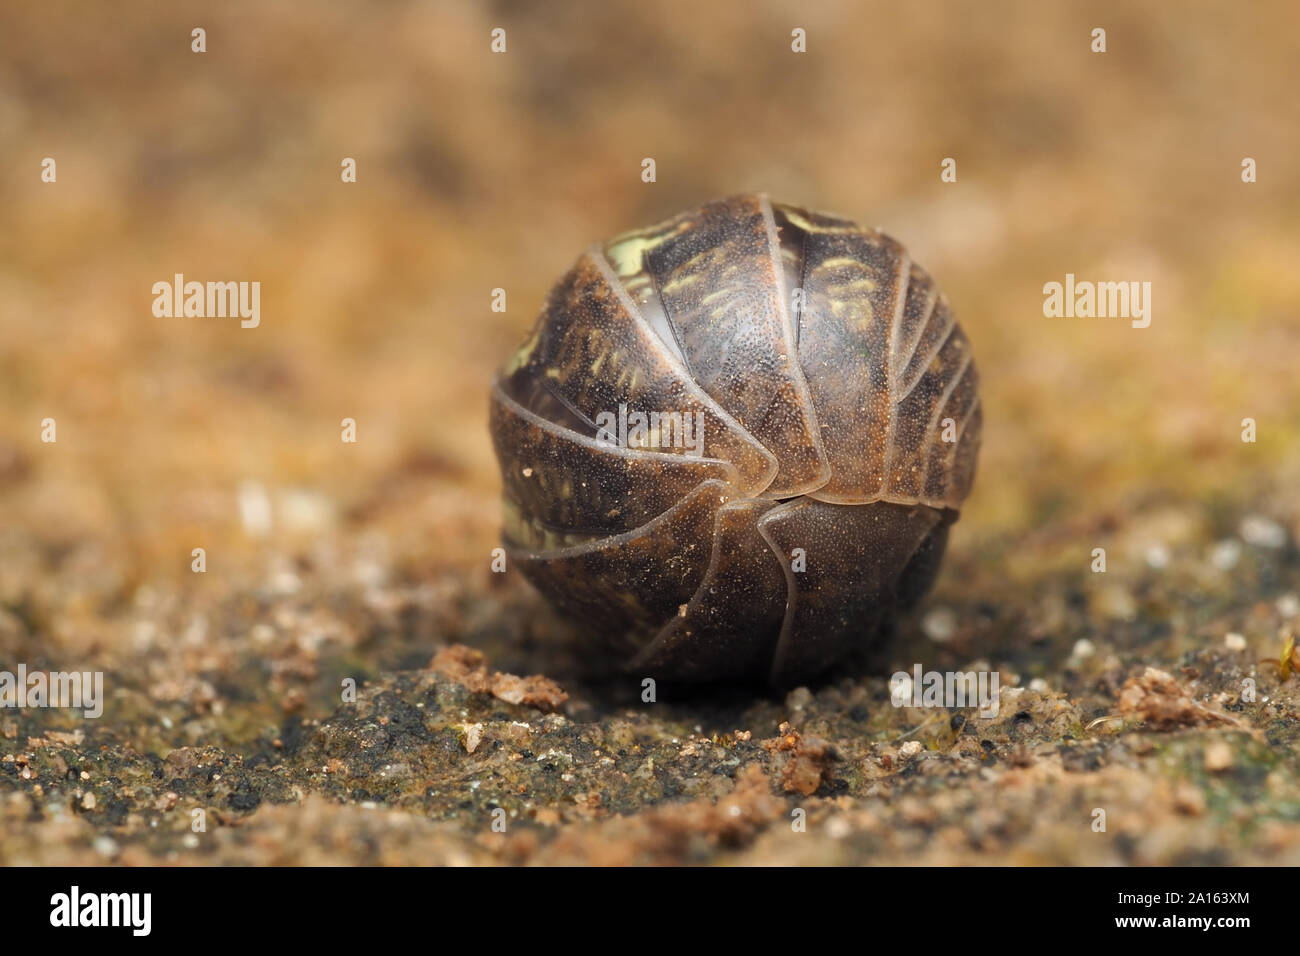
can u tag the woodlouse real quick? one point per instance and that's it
(735, 441)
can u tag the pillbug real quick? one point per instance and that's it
(734, 442)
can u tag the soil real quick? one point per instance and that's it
(339, 677)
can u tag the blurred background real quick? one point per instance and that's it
(478, 171)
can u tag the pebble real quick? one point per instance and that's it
(1189, 799)
(1234, 641)
(939, 624)
(254, 509)
(143, 635)
(473, 736)
(1158, 557)
(1288, 605)
(1262, 532)
(1083, 649)
(1225, 554)
(799, 698)
(304, 510)
(1218, 757)
(837, 828)
(1117, 603)
(285, 582)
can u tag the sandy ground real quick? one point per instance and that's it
(1127, 691)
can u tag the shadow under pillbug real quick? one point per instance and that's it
(734, 442)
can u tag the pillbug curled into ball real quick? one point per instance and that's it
(734, 442)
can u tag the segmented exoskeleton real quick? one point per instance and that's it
(834, 424)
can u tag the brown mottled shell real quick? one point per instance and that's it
(840, 418)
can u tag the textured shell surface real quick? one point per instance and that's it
(734, 442)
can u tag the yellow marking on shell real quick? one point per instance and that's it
(626, 254)
(524, 352)
(600, 360)
(853, 285)
(796, 217)
(839, 262)
(683, 281)
(725, 293)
